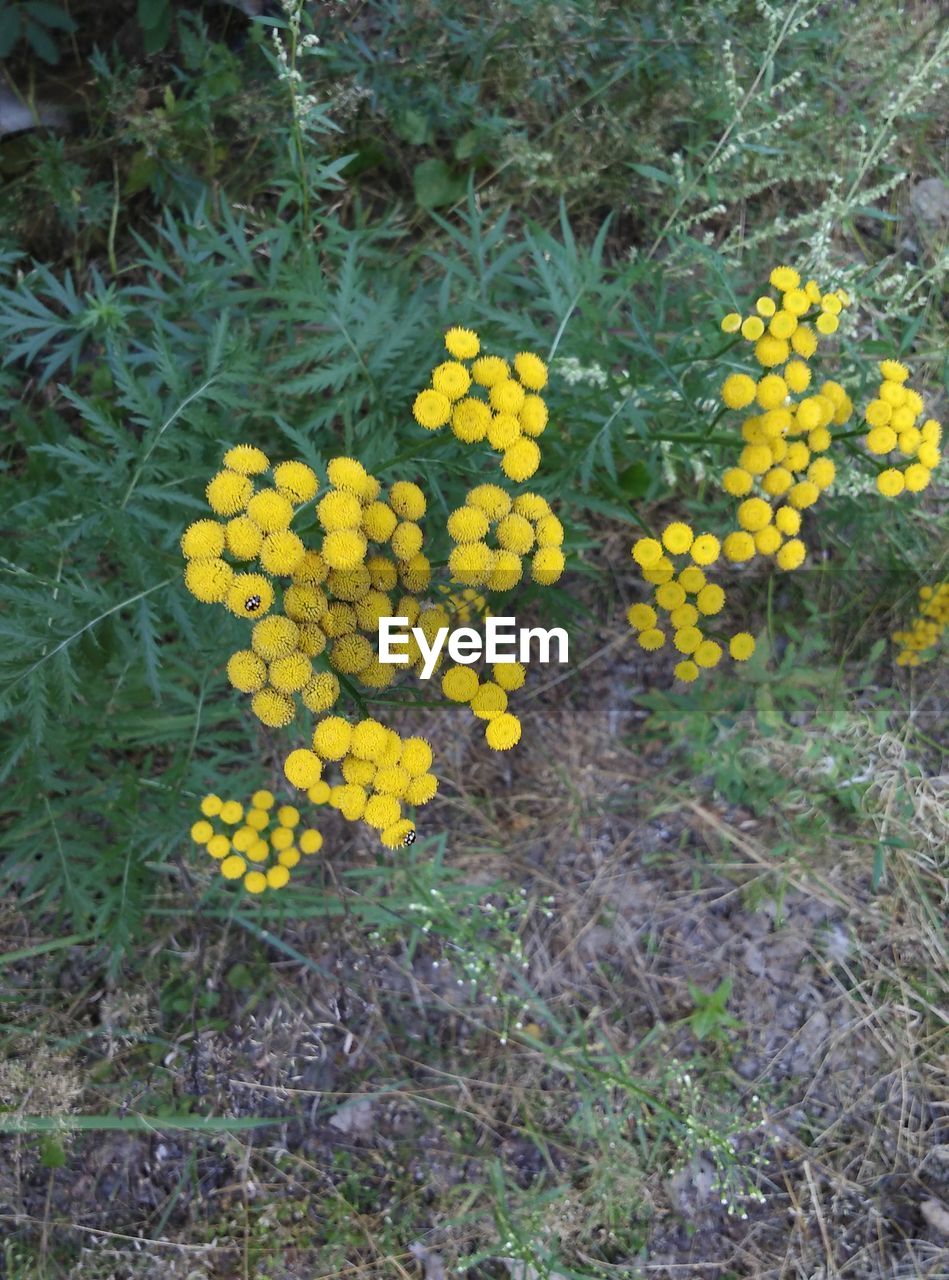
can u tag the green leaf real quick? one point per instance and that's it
(436, 185)
(634, 480)
(650, 171)
(9, 30)
(413, 127)
(52, 1154)
(42, 44)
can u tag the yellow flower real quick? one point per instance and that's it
(368, 740)
(687, 639)
(521, 460)
(302, 768)
(797, 375)
(244, 837)
(415, 758)
(893, 371)
(928, 455)
(692, 577)
(270, 510)
(771, 351)
(818, 440)
(272, 708)
(710, 599)
(767, 540)
(547, 565)
(339, 509)
(233, 868)
(423, 788)
(250, 595)
(686, 615)
(796, 301)
(351, 654)
(255, 882)
(350, 474)
(203, 540)
(319, 794)
(231, 812)
(641, 616)
(382, 812)
(296, 481)
(431, 409)
(503, 430)
(416, 573)
(772, 390)
(531, 370)
(804, 341)
(803, 494)
(228, 492)
(278, 876)
(311, 570)
(332, 737)
(647, 552)
(650, 639)
(258, 819)
(822, 472)
(708, 654)
(741, 646)
(731, 323)
(670, 595)
(219, 846)
(262, 799)
(460, 684)
(765, 306)
(916, 477)
(344, 548)
(470, 420)
(777, 481)
(246, 459)
(737, 481)
(705, 549)
(407, 539)
(489, 701)
(244, 538)
(274, 637)
(826, 323)
(470, 562)
(503, 732)
(784, 278)
(890, 482)
(208, 580)
(491, 499)
(515, 533)
(677, 537)
(310, 840)
(463, 344)
(797, 456)
(489, 370)
(202, 832)
(281, 553)
(304, 604)
(831, 304)
(288, 815)
(533, 416)
(931, 431)
(451, 379)
(392, 781)
(752, 328)
(394, 837)
(290, 674)
(686, 671)
(754, 514)
(509, 675)
(738, 390)
(755, 458)
(787, 520)
(791, 555)
(738, 546)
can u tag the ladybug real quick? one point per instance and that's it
(252, 604)
(410, 838)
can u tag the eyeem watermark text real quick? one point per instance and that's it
(503, 641)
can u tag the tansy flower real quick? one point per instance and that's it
(424, 788)
(547, 565)
(533, 416)
(460, 684)
(395, 836)
(302, 768)
(677, 537)
(705, 549)
(331, 738)
(531, 370)
(246, 459)
(503, 732)
(203, 540)
(737, 481)
(738, 546)
(304, 604)
(521, 460)
(281, 553)
(344, 548)
(515, 533)
(295, 481)
(228, 493)
(249, 595)
(771, 351)
(406, 541)
(797, 376)
(451, 379)
(290, 674)
(893, 370)
(731, 323)
(784, 278)
(246, 671)
(490, 370)
(470, 419)
(804, 341)
(273, 708)
(491, 499)
(647, 552)
(489, 701)
(767, 540)
(243, 538)
(754, 514)
(890, 482)
(350, 474)
(708, 654)
(791, 555)
(202, 832)
(741, 646)
(916, 477)
(772, 390)
(509, 675)
(710, 599)
(641, 616)
(686, 671)
(431, 409)
(463, 344)
(339, 509)
(652, 638)
(738, 390)
(503, 430)
(752, 328)
(209, 580)
(826, 323)
(765, 306)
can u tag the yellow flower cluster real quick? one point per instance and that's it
(892, 418)
(520, 527)
(781, 471)
(487, 699)
(464, 606)
(685, 597)
(482, 399)
(334, 596)
(378, 769)
(926, 629)
(251, 840)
